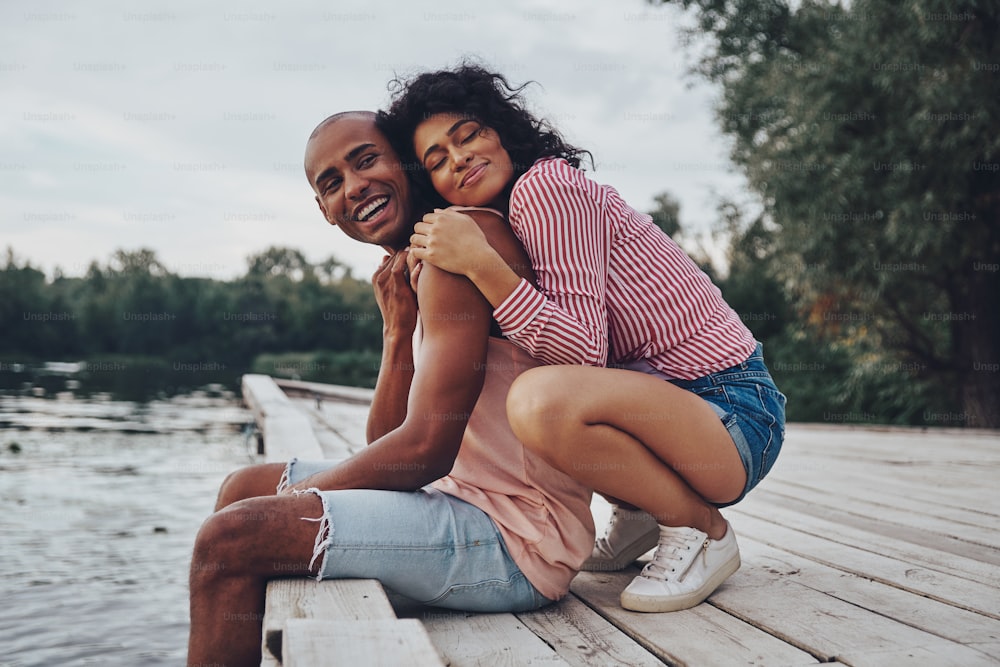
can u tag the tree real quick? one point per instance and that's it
(29, 317)
(667, 213)
(667, 216)
(278, 261)
(142, 262)
(869, 133)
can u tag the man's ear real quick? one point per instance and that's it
(322, 209)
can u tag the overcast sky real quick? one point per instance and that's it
(179, 126)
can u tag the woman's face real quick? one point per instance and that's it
(467, 163)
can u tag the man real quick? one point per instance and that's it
(444, 505)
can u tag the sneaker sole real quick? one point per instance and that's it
(653, 604)
(626, 557)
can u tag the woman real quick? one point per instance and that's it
(695, 429)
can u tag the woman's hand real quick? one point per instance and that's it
(394, 296)
(452, 241)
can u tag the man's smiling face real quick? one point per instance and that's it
(359, 183)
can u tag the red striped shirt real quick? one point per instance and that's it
(612, 287)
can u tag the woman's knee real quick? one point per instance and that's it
(541, 409)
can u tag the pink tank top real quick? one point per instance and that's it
(543, 515)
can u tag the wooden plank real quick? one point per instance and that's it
(851, 495)
(332, 392)
(574, 632)
(899, 521)
(907, 444)
(938, 618)
(923, 459)
(824, 473)
(287, 432)
(582, 637)
(965, 483)
(703, 635)
(874, 442)
(903, 567)
(339, 427)
(287, 436)
(830, 628)
(340, 599)
(927, 549)
(486, 640)
(381, 643)
(919, 465)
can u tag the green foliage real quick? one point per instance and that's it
(133, 309)
(870, 133)
(666, 215)
(355, 369)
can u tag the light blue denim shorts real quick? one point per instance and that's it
(426, 545)
(749, 405)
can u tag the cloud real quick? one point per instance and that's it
(180, 126)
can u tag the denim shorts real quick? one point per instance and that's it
(426, 545)
(749, 405)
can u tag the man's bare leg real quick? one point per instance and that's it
(237, 551)
(250, 482)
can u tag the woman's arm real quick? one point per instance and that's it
(453, 241)
(560, 221)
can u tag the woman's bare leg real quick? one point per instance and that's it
(632, 436)
(649, 443)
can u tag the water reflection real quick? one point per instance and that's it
(107, 468)
(102, 502)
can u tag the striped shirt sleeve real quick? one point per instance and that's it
(560, 221)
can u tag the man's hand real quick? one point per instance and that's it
(395, 298)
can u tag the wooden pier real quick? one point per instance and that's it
(864, 546)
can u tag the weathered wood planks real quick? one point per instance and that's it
(863, 547)
(287, 432)
(375, 643)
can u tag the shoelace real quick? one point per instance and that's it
(674, 547)
(603, 540)
(611, 524)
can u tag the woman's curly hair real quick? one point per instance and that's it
(473, 91)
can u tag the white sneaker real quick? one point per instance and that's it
(628, 535)
(686, 568)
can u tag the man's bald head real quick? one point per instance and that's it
(359, 183)
(330, 120)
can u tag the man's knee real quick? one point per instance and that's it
(225, 536)
(249, 482)
(215, 546)
(257, 537)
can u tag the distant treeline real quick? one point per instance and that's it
(132, 307)
(144, 331)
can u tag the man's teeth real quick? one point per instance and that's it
(371, 208)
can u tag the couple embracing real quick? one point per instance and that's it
(565, 345)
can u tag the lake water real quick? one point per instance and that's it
(101, 503)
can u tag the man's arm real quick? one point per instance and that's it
(449, 375)
(398, 305)
(446, 386)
